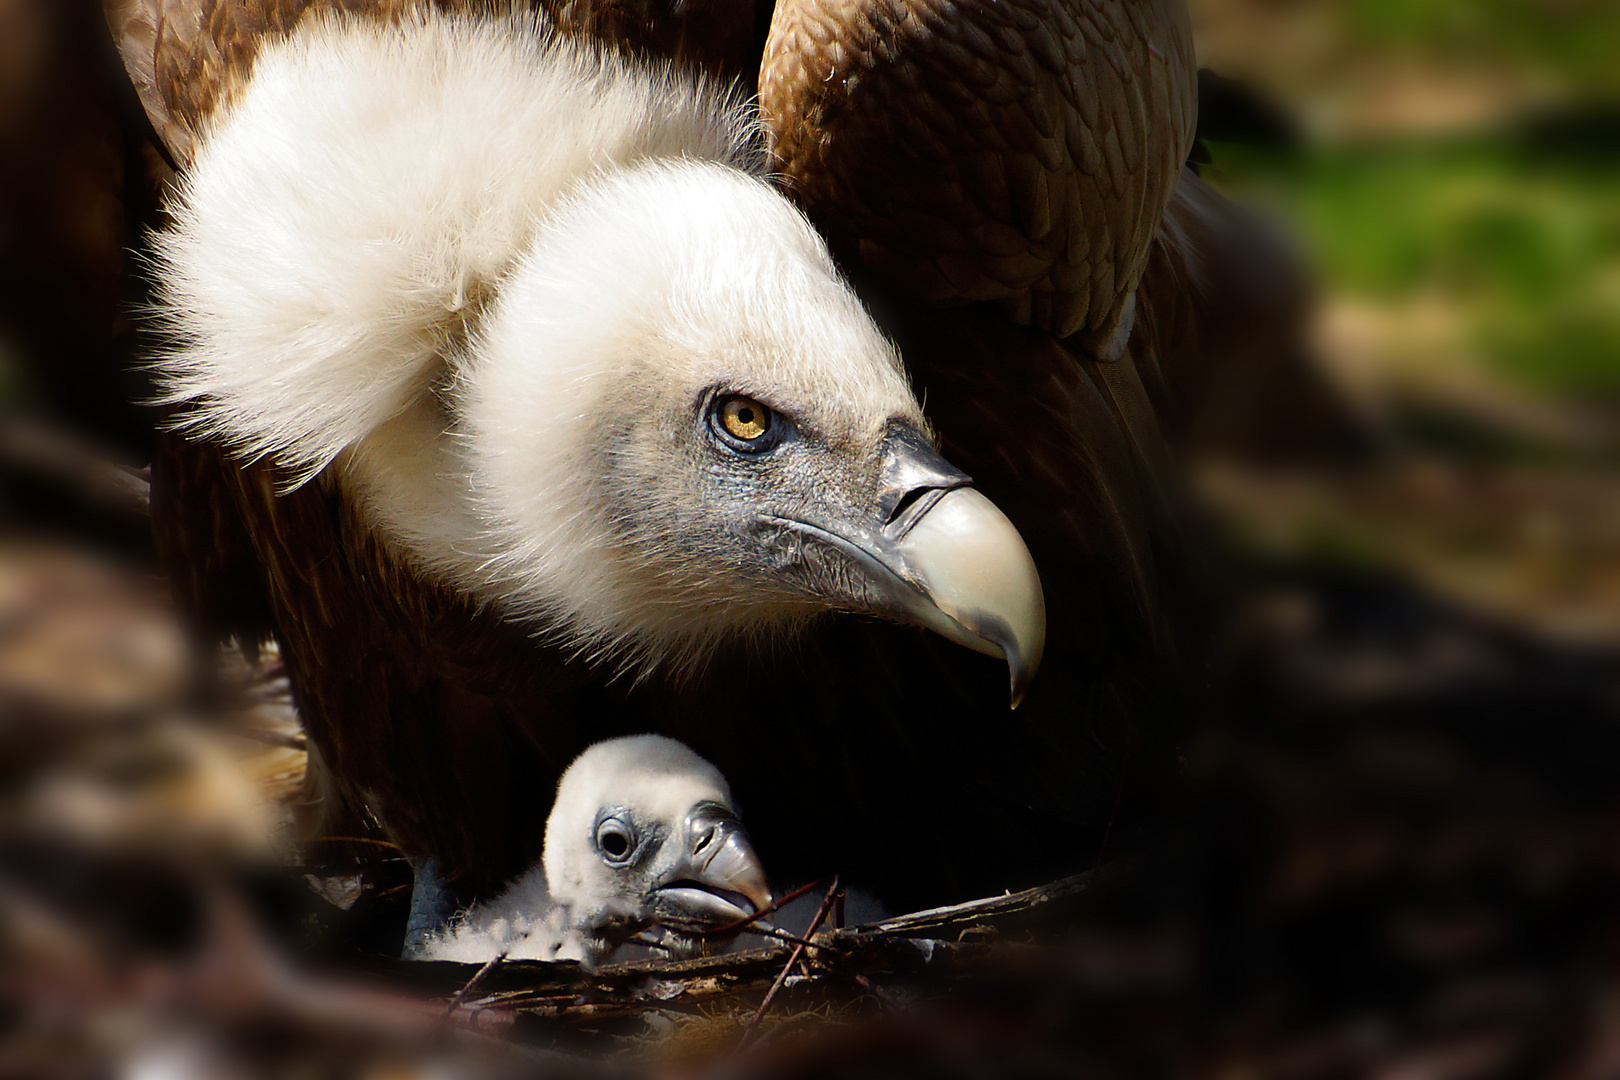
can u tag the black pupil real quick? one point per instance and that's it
(615, 844)
(745, 414)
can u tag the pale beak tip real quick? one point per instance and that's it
(1020, 675)
(980, 583)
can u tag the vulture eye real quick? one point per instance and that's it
(744, 422)
(614, 842)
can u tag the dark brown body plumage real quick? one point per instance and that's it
(74, 183)
(1019, 152)
(994, 178)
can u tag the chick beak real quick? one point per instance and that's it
(717, 879)
(937, 553)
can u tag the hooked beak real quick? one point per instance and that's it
(938, 554)
(718, 878)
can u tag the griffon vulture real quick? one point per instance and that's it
(643, 841)
(520, 410)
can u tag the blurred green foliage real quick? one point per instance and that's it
(1579, 39)
(1516, 236)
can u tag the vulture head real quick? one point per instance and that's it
(540, 314)
(644, 838)
(717, 440)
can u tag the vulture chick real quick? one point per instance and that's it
(497, 368)
(643, 836)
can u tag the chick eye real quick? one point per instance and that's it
(613, 841)
(744, 419)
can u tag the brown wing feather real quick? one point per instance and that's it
(1019, 151)
(1023, 152)
(206, 545)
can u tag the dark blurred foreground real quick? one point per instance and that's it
(1395, 854)
(1395, 848)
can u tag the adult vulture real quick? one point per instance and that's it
(994, 176)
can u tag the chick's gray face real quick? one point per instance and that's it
(674, 883)
(643, 839)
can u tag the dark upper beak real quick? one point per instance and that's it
(938, 554)
(717, 878)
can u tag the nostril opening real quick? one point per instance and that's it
(704, 842)
(906, 502)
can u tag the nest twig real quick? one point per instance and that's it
(924, 943)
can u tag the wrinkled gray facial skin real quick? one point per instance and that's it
(817, 511)
(720, 508)
(669, 884)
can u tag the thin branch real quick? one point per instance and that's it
(482, 973)
(779, 935)
(889, 1000)
(701, 930)
(793, 958)
(936, 921)
(732, 928)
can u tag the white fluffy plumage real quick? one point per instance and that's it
(535, 918)
(363, 193)
(485, 272)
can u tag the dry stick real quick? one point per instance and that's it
(885, 998)
(352, 840)
(698, 930)
(746, 924)
(779, 935)
(793, 958)
(773, 907)
(467, 988)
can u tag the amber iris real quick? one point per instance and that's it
(744, 418)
